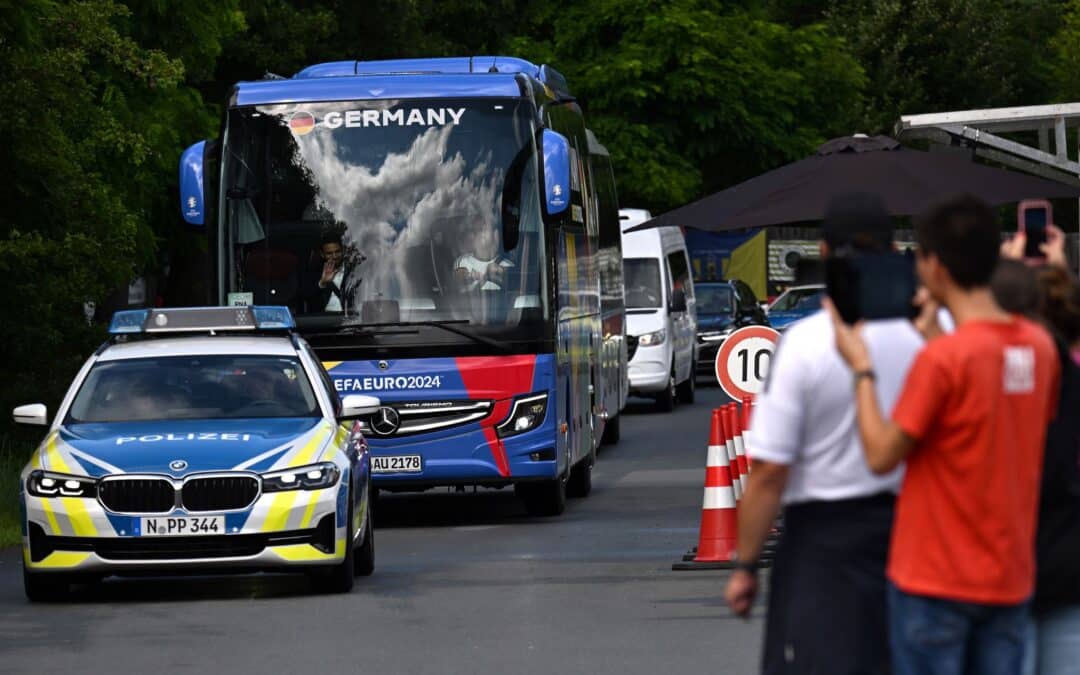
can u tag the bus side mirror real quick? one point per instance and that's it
(556, 151)
(192, 196)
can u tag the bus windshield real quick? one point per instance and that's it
(386, 212)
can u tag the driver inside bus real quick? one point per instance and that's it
(482, 267)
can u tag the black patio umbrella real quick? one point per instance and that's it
(909, 181)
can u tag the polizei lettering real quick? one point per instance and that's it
(388, 383)
(424, 117)
(199, 436)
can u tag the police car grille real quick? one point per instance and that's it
(219, 493)
(138, 495)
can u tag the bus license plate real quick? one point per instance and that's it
(396, 464)
(179, 526)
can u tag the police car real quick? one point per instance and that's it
(198, 438)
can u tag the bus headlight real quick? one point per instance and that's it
(652, 339)
(49, 484)
(527, 414)
(310, 477)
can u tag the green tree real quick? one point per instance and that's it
(90, 138)
(691, 96)
(1065, 71)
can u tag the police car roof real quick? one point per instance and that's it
(199, 345)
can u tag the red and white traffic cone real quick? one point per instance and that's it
(737, 439)
(718, 534)
(729, 443)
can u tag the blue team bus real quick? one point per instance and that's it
(445, 232)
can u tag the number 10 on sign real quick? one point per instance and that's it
(742, 362)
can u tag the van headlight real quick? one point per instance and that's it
(310, 477)
(49, 484)
(652, 339)
(527, 414)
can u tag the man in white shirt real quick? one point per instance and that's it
(826, 609)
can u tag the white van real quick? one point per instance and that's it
(661, 323)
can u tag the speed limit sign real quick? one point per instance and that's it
(742, 362)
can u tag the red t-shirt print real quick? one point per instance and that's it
(977, 402)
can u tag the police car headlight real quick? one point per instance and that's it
(310, 477)
(652, 339)
(527, 414)
(49, 484)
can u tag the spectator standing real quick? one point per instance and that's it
(826, 611)
(971, 423)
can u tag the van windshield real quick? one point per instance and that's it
(642, 280)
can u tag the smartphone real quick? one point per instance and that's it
(1033, 215)
(871, 286)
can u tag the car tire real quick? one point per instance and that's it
(612, 431)
(665, 400)
(580, 483)
(364, 564)
(545, 498)
(340, 577)
(686, 390)
(45, 587)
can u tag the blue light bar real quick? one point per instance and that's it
(273, 316)
(129, 321)
(201, 319)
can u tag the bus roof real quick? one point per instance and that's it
(464, 77)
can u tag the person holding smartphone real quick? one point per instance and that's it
(826, 607)
(970, 423)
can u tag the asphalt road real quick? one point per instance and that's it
(465, 583)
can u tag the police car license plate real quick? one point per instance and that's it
(396, 464)
(183, 526)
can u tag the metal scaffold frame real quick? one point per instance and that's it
(980, 129)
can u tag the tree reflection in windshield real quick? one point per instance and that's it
(334, 215)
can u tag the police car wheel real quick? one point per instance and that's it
(339, 578)
(364, 563)
(45, 587)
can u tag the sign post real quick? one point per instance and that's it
(742, 362)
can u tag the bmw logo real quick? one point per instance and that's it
(178, 465)
(383, 365)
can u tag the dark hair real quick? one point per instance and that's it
(859, 220)
(1060, 302)
(331, 235)
(1016, 288)
(964, 236)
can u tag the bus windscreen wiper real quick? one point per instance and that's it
(450, 325)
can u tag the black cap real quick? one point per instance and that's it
(857, 219)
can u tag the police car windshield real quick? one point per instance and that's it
(808, 299)
(194, 387)
(387, 211)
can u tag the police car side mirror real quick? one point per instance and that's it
(358, 405)
(34, 414)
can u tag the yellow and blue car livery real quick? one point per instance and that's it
(256, 493)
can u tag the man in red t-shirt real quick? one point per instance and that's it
(971, 422)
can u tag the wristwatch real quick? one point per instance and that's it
(860, 374)
(748, 566)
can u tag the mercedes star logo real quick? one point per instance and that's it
(178, 465)
(385, 422)
(383, 365)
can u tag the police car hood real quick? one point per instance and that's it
(204, 445)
